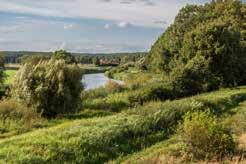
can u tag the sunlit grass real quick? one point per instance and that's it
(10, 76)
(101, 139)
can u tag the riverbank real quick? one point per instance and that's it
(96, 80)
(91, 68)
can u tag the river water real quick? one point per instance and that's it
(96, 80)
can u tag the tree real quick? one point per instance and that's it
(220, 44)
(204, 41)
(34, 59)
(169, 45)
(2, 74)
(194, 77)
(62, 54)
(2, 59)
(52, 86)
(96, 61)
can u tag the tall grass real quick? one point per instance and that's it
(10, 76)
(16, 118)
(102, 139)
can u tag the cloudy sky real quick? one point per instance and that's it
(85, 25)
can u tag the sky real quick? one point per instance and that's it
(89, 26)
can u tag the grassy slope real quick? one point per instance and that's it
(169, 150)
(10, 76)
(11, 128)
(102, 139)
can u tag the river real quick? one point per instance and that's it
(96, 80)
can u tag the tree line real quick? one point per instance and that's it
(204, 49)
(104, 59)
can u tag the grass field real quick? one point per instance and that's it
(10, 76)
(106, 138)
(168, 150)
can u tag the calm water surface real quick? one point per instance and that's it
(96, 80)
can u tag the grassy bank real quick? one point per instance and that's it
(103, 139)
(171, 149)
(10, 76)
(91, 68)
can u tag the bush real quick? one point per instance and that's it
(113, 86)
(52, 87)
(114, 71)
(204, 137)
(154, 92)
(100, 92)
(16, 117)
(194, 77)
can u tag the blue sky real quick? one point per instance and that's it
(85, 25)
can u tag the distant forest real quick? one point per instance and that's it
(113, 59)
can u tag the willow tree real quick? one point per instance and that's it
(52, 86)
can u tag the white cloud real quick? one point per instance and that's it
(123, 24)
(68, 26)
(107, 26)
(136, 12)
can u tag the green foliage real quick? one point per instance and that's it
(2, 74)
(194, 77)
(63, 55)
(110, 73)
(2, 59)
(204, 137)
(208, 37)
(115, 97)
(152, 92)
(17, 118)
(110, 87)
(53, 87)
(113, 86)
(10, 76)
(219, 44)
(96, 61)
(35, 59)
(237, 122)
(99, 140)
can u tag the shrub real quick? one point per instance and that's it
(114, 71)
(154, 92)
(100, 92)
(204, 137)
(194, 77)
(14, 116)
(53, 87)
(113, 86)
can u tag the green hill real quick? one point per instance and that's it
(184, 102)
(99, 140)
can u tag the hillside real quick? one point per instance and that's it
(98, 140)
(183, 102)
(167, 150)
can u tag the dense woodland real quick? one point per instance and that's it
(204, 49)
(182, 102)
